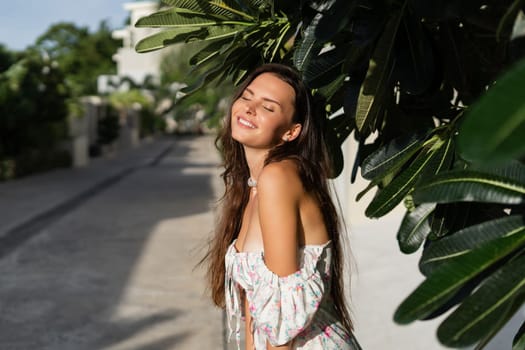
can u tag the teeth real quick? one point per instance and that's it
(246, 123)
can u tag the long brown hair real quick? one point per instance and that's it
(309, 153)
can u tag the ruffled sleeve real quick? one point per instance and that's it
(282, 307)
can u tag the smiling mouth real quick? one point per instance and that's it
(246, 123)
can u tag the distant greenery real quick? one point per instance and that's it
(39, 89)
(81, 54)
(33, 111)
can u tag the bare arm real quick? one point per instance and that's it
(278, 193)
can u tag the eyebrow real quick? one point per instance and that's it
(264, 98)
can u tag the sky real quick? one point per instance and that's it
(21, 22)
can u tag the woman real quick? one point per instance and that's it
(276, 256)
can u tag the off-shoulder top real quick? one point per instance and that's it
(297, 308)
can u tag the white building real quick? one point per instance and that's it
(136, 66)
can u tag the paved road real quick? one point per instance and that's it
(116, 271)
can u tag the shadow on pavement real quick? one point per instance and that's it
(116, 272)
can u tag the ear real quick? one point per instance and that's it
(292, 133)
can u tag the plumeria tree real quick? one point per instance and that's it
(434, 93)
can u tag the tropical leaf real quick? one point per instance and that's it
(442, 160)
(518, 343)
(467, 239)
(479, 313)
(169, 37)
(330, 90)
(448, 217)
(505, 316)
(414, 59)
(377, 80)
(284, 34)
(414, 228)
(466, 185)
(209, 52)
(184, 35)
(219, 46)
(507, 21)
(322, 5)
(224, 9)
(309, 46)
(493, 128)
(392, 156)
(337, 16)
(206, 77)
(176, 17)
(388, 197)
(449, 277)
(337, 131)
(514, 170)
(325, 68)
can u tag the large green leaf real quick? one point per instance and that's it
(337, 16)
(518, 343)
(183, 35)
(209, 52)
(224, 9)
(507, 21)
(414, 228)
(329, 92)
(514, 170)
(324, 68)
(505, 316)
(205, 78)
(392, 156)
(280, 41)
(467, 239)
(391, 195)
(479, 312)
(309, 46)
(169, 37)
(176, 17)
(466, 185)
(377, 81)
(445, 217)
(442, 160)
(449, 277)
(337, 131)
(493, 128)
(415, 63)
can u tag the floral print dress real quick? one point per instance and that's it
(296, 308)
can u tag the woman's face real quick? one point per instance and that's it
(262, 116)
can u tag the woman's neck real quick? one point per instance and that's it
(255, 159)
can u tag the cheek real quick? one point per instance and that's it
(237, 105)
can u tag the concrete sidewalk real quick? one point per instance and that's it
(110, 259)
(31, 202)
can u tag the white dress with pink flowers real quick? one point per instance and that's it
(297, 308)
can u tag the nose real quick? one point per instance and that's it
(249, 108)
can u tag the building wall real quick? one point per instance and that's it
(136, 66)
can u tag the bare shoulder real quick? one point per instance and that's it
(280, 176)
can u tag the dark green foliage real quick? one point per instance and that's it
(438, 86)
(83, 55)
(36, 88)
(33, 115)
(108, 127)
